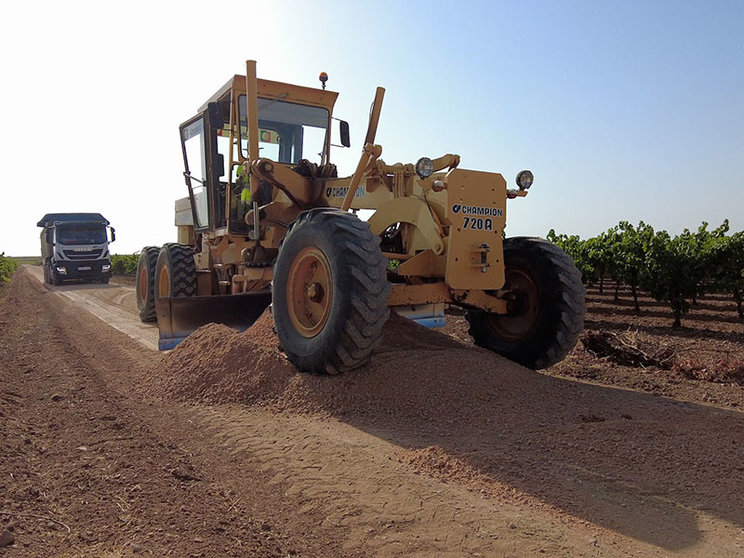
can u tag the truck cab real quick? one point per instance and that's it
(74, 246)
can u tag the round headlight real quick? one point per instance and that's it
(424, 167)
(525, 179)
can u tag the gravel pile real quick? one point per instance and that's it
(413, 371)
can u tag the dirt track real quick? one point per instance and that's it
(434, 449)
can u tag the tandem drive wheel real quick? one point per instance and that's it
(145, 283)
(175, 272)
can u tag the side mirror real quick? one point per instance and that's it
(113, 234)
(214, 113)
(343, 128)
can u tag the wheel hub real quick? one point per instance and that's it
(309, 291)
(142, 284)
(164, 282)
(524, 307)
(315, 292)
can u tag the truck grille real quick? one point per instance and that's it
(89, 255)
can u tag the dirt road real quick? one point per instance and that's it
(435, 448)
(114, 303)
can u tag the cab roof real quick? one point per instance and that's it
(51, 218)
(275, 89)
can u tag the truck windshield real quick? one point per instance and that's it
(287, 132)
(81, 234)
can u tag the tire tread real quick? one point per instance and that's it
(364, 277)
(566, 314)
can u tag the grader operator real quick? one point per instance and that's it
(269, 221)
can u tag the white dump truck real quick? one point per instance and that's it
(75, 246)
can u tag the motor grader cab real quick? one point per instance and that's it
(268, 220)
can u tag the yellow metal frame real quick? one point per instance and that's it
(452, 221)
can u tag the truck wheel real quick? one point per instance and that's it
(329, 292)
(46, 274)
(145, 283)
(547, 312)
(175, 272)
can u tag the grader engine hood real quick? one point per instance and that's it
(476, 213)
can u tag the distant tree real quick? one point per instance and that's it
(630, 255)
(705, 243)
(675, 270)
(600, 253)
(727, 268)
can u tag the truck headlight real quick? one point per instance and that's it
(105, 267)
(424, 167)
(525, 179)
(61, 270)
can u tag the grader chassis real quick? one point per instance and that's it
(266, 225)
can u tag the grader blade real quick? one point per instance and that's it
(178, 317)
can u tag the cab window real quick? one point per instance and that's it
(287, 132)
(194, 140)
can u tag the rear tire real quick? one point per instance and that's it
(175, 272)
(145, 283)
(547, 313)
(329, 292)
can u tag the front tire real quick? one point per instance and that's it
(547, 311)
(145, 283)
(55, 280)
(175, 272)
(329, 292)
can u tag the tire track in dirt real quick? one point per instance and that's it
(85, 471)
(434, 445)
(111, 303)
(358, 483)
(640, 467)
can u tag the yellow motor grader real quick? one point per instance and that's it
(268, 221)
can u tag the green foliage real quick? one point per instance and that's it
(7, 267)
(577, 251)
(124, 264)
(27, 260)
(601, 251)
(675, 270)
(630, 255)
(727, 267)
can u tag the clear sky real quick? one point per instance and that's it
(624, 110)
